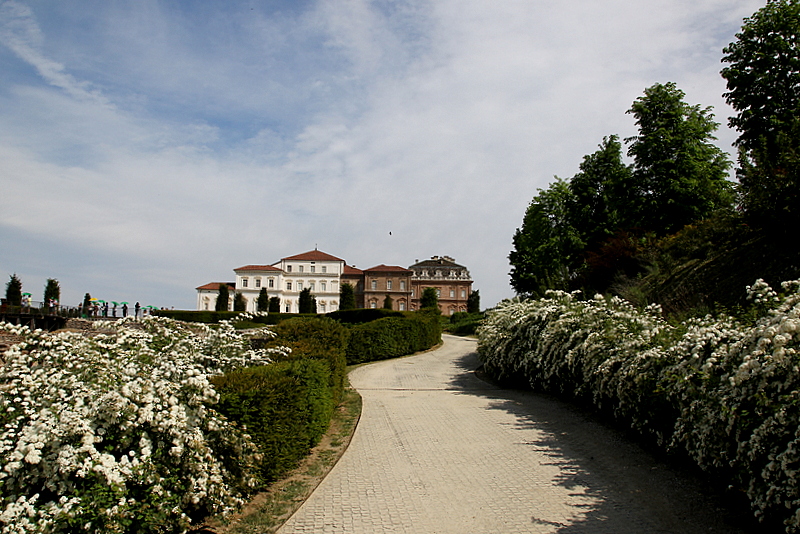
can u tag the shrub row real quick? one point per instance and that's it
(207, 316)
(721, 391)
(286, 406)
(391, 337)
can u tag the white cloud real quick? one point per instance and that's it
(175, 145)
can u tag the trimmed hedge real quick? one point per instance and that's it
(285, 407)
(363, 315)
(392, 337)
(207, 316)
(317, 338)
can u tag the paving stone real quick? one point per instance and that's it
(439, 451)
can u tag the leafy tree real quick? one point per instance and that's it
(307, 303)
(274, 305)
(347, 297)
(474, 302)
(222, 298)
(87, 301)
(429, 298)
(602, 200)
(14, 291)
(387, 302)
(239, 302)
(52, 291)
(763, 81)
(679, 175)
(548, 248)
(262, 302)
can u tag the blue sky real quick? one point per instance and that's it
(149, 147)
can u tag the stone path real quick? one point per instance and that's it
(439, 451)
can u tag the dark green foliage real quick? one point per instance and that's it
(548, 248)
(87, 300)
(362, 315)
(474, 302)
(239, 302)
(464, 323)
(429, 299)
(262, 302)
(274, 305)
(285, 406)
(763, 81)
(679, 175)
(52, 291)
(387, 302)
(14, 291)
(347, 297)
(319, 338)
(394, 336)
(307, 303)
(222, 298)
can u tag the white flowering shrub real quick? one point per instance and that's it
(116, 431)
(724, 391)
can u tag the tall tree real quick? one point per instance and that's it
(680, 176)
(429, 298)
(347, 297)
(222, 298)
(14, 291)
(547, 248)
(239, 302)
(274, 305)
(87, 302)
(763, 81)
(602, 200)
(474, 302)
(262, 302)
(52, 292)
(307, 303)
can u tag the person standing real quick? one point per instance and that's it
(136, 310)
(125, 310)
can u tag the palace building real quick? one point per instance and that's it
(323, 274)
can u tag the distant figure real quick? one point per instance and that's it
(114, 310)
(136, 309)
(105, 309)
(124, 310)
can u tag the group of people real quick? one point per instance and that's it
(96, 310)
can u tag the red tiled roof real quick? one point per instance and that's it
(314, 255)
(214, 286)
(352, 271)
(257, 268)
(387, 269)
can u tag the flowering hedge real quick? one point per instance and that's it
(114, 432)
(722, 390)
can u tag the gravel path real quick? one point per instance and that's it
(437, 450)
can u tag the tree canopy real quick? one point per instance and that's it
(347, 297)
(52, 291)
(222, 298)
(763, 82)
(429, 298)
(14, 291)
(262, 302)
(307, 303)
(677, 176)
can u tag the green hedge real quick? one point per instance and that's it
(285, 406)
(207, 316)
(363, 315)
(393, 336)
(318, 338)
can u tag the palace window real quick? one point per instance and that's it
(402, 285)
(324, 269)
(271, 282)
(323, 286)
(258, 282)
(288, 268)
(374, 284)
(313, 269)
(452, 293)
(244, 282)
(288, 286)
(301, 269)
(389, 285)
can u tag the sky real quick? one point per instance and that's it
(150, 147)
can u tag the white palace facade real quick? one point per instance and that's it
(323, 275)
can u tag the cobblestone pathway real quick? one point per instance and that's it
(439, 451)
